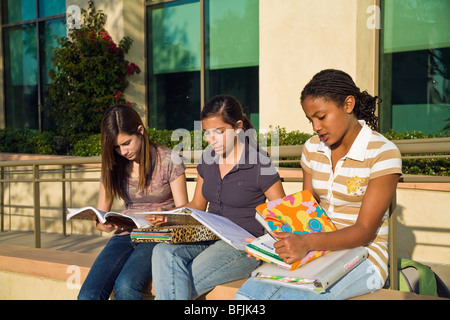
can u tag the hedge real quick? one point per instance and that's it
(33, 142)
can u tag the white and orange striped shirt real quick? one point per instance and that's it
(341, 192)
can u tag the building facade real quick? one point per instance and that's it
(262, 51)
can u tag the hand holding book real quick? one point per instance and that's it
(157, 220)
(291, 247)
(290, 222)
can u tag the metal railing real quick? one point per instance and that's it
(410, 149)
(34, 178)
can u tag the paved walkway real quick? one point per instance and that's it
(75, 243)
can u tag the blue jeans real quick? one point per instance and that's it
(122, 266)
(186, 271)
(361, 280)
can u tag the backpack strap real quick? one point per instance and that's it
(427, 280)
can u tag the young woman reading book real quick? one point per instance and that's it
(233, 177)
(353, 171)
(144, 176)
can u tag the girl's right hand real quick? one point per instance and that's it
(103, 227)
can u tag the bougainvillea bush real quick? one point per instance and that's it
(90, 74)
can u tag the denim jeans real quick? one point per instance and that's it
(186, 271)
(122, 266)
(361, 280)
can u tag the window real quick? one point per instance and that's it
(196, 49)
(29, 31)
(415, 65)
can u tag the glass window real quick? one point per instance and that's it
(21, 77)
(174, 61)
(231, 58)
(50, 31)
(232, 52)
(48, 8)
(26, 71)
(18, 10)
(415, 65)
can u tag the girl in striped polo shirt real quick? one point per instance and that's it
(353, 171)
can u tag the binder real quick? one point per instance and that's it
(315, 276)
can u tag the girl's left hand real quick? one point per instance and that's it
(290, 247)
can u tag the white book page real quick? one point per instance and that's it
(224, 228)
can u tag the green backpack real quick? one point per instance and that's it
(419, 278)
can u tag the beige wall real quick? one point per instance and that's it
(423, 225)
(299, 38)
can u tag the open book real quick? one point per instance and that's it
(91, 213)
(315, 276)
(224, 228)
(297, 213)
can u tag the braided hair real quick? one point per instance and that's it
(336, 85)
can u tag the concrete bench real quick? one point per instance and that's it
(41, 274)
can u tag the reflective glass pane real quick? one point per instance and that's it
(232, 28)
(243, 83)
(412, 25)
(174, 64)
(176, 37)
(415, 66)
(18, 10)
(50, 31)
(48, 8)
(232, 52)
(21, 77)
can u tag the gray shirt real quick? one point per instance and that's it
(238, 194)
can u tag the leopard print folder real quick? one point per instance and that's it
(174, 234)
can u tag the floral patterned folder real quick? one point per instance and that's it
(298, 213)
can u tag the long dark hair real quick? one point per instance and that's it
(336, 85)
(122, 119)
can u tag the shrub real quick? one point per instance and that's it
(90, 75)
(29, 141)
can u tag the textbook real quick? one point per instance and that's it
(91, 213)
(297, 213)
(315, 276)
(222, 227)
(179, 216)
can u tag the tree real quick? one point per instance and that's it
(90, 75)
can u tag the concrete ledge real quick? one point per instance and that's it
(45, 263)
(44, 268)
(228, 290)
(41, 274)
